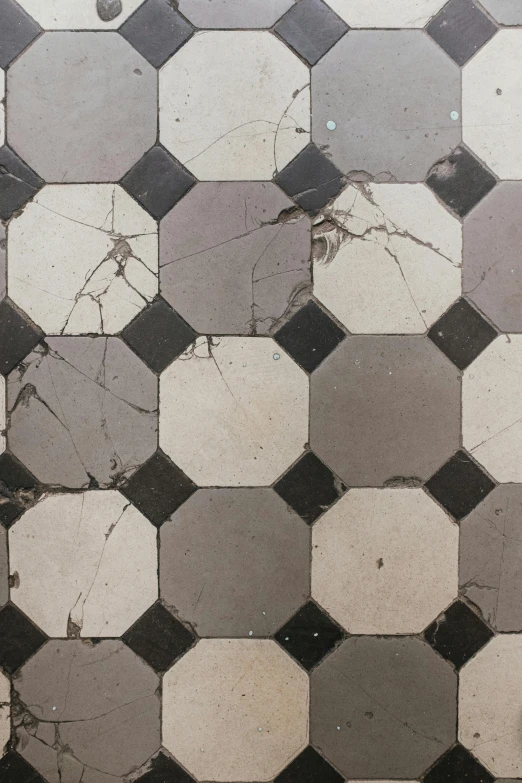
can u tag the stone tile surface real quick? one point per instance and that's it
(395, 13)
(95, 15)
(233, 13)
(504, 11)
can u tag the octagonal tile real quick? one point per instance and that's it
(389, 259)
(385, 561)
(5, 712)
(504, 11)
(82, 259)
(234, 13)
(2, 107)
(82, 409)
(399, 401)
(92, 128)
(386, 13)
(492, 408)
(393, 115)
(243, 268)
(92, 15)
(235, 562)
(235, 709)
(234, 411)
(247, 127)
(86, 564)
(69, 730)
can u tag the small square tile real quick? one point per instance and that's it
(457, 634)
(14, 475)
(459, 485)
(158, 488)
(156, 30)
(460, 181)
(164, 770)
(14, 769)
(309, 487)
(17, 30)
(19, 639)
(309, 336)
(311, 179)
(458, 766)
(18, 183)
(157, 181)
(462, 334)
(18, 336)
(158, 335)
(461, 28)
(309, 767)
(309, 635)
(311, 28)
(159, 638)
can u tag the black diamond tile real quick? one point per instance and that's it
(158, 488)
(311, 29)
(157, 181)
(158, 637)
(457, 634)
(164, 770)
(14, 475)
(18, 336)
(9, 511)
(309, 767)
(18, 183)
(458, 766)
(309, 487)
(309, 336)
(310, 179)
(14, 769)
(462, 334)
(459, 485)
(17, 30)
(19, 639)
(156, 30)
(158, 335)
(309, 635)
(461, 28)
(460, 180)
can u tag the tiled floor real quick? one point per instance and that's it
(261, 357)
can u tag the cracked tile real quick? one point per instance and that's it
(215, 422)
(311, 179)
(82, 411)
(386, 13)
(87, 15)
(245, 267)
(247, 733)
(233, 13)
(247, 128)
(90, 128)
(83, 259)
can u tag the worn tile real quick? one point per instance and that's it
(386, 13)
(163, 769)
(490, 554)
(309, 635)
(308, 767)
(462, 334)
(397, 695)
(86, 564)
(388, 258)
(309, 487)
(458, 764)
(18, 182)
(311, 179)
(159, 638)
(459, 485)
(18, 336)
(309, 336)
(243, 268)
(18, 487)
(310, 28)
(460, 181)
(384, 561)
(458, 634)
(157, 181)
(92, 403)
(156, 30)
(95, 15)
(233, 13)
(205, 427)
(248, 128)
(491, 413)
(504, 11)
(18, 30)
(234, 562)
(461, 28)
(108, 111)
(490, 703)
(249, 732)
(158, 335)
(393, 115)
(398, 400)
(492, 104)
(104, 732)
(110, 277)
(19, 638)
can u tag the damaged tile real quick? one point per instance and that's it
(17, 31)
(87, 15)
(386, 13)
(111, 273)
(246, 265)
(458, 634)
(460, 181)
(388, 258)
(392, 116)
(233, 13)
(309, 635)
(311, 29)
(82, 410)
(461, 28)
(234, 411)
(248, 128)
(156, 30)
(92, 128)
(311, 179)
(248, 732)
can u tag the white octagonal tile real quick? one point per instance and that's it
(80, 14)
(386, 13)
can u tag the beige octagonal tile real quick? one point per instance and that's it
(84, 564)
(2, 413)
(83, 15)
(385, 561)
(233, 411)
(223, 120)
(386, 13)
(2, 108)
(5, 712)
(235, 710)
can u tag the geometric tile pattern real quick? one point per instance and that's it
(260, 397)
